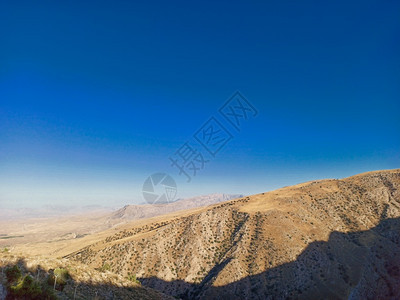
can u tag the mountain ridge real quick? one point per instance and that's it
(228, 242)
(143, 211)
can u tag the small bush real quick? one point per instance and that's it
(27, 288)
(62, 276)
(13, 274)
(133, 278)
(105, 267)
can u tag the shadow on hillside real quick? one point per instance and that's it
(353, 265)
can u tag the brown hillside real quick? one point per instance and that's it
(330, 232)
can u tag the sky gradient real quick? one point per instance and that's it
(96, 96)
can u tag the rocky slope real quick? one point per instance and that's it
(332, 239)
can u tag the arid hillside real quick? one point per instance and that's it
(337, 239)
(62, 225)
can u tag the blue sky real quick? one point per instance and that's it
(96, 96)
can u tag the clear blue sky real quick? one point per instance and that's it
(95, 96)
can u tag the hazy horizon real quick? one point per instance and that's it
(96, 98)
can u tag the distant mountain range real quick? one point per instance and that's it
(135, 212)
(61, 223)
(127, 213)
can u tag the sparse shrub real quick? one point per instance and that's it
(133, 278)
(13, 274)
(27, 288)
(105, 267)
(62, 276)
